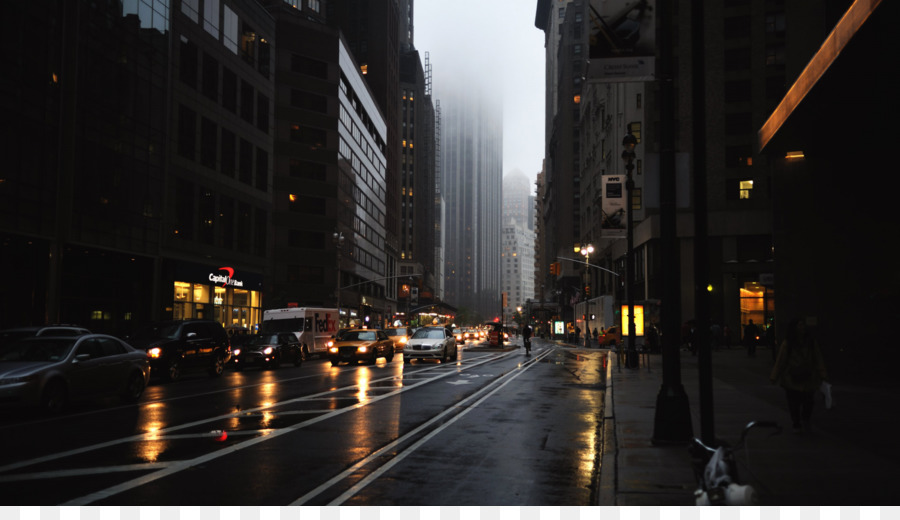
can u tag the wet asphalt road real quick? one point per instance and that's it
(493, 428)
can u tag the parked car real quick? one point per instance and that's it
(9, 335)
(431, 343)
(175, 346)
(399, 335)
(51, 371)
(361, 345)
(268, 351)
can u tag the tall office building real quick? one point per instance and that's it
(471, 173)
(517, 254)
(137, 162)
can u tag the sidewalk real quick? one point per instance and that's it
(850, 457)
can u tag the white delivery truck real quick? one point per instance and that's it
(313, 326)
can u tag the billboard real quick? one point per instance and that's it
(622, 40)
(613, 220)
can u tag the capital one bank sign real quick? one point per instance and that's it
(225, 279)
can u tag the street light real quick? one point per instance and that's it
(628, 143)
(338, 238)
(586, 252)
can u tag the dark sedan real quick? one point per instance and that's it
(268, 351)
(361, 345)
(52, 371)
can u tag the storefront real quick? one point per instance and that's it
(229, 295)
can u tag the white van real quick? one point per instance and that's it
(313, 326)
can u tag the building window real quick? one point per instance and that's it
(191, 9)
(229, 89)
(738, 156)
(210, 77)
(262, 170)
(208, 142)
(247, 97)
(188, 63)
(245, 172)
(211, 17)
(635, 130)
(262, 112)
(187, 132)
(229, 152)
(230, 29)
(739, 189)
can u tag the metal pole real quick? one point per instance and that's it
(631, 360)
(672, 419)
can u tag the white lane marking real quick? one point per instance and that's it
(459, 382)
(326, 395)
(390, 446)
(187, 464)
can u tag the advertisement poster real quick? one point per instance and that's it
(613, 220)
(622, 40)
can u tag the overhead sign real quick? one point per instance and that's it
(613, 219)
(622, 40)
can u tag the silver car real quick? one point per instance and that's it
(51, 371)
(431, 343)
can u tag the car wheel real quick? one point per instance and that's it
(134, 388)
(218, 366)
(173, 369)
(298, 358)
(389, 356)
(54, 397)
(335, 363)
(407, 360)
(304, 352)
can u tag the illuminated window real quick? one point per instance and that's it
(745, 188)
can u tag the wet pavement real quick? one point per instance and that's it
(849, 457)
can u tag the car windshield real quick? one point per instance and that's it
(358, 335)
(396, 332)
(167, 330)
(265, 339)
(429, 334)
(47, 350)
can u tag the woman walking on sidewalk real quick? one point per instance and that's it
(800, 370)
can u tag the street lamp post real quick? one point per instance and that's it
(629, 142)
(586, 252)
(338, 238)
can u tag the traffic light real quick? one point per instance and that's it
(552, 267)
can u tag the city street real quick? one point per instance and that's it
(495, 427)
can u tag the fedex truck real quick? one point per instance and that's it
(313, 326)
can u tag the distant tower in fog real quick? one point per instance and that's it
(472, 164)
(517, 254)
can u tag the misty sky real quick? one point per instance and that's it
(495, 41)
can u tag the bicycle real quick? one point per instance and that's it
(716, 471)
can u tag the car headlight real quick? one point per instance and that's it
(404, 340)
(154, 352)
(332, 349)
(268, 351)
(236, 352)
(363, 349)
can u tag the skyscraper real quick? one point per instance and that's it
(472, 155)
(517, 254)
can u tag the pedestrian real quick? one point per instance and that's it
(800, 370)
(596, 334)
(751, 336)
(526, 338)
(715, 334)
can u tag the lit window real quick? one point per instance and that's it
(745, 188)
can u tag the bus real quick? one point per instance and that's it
(314, 326)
